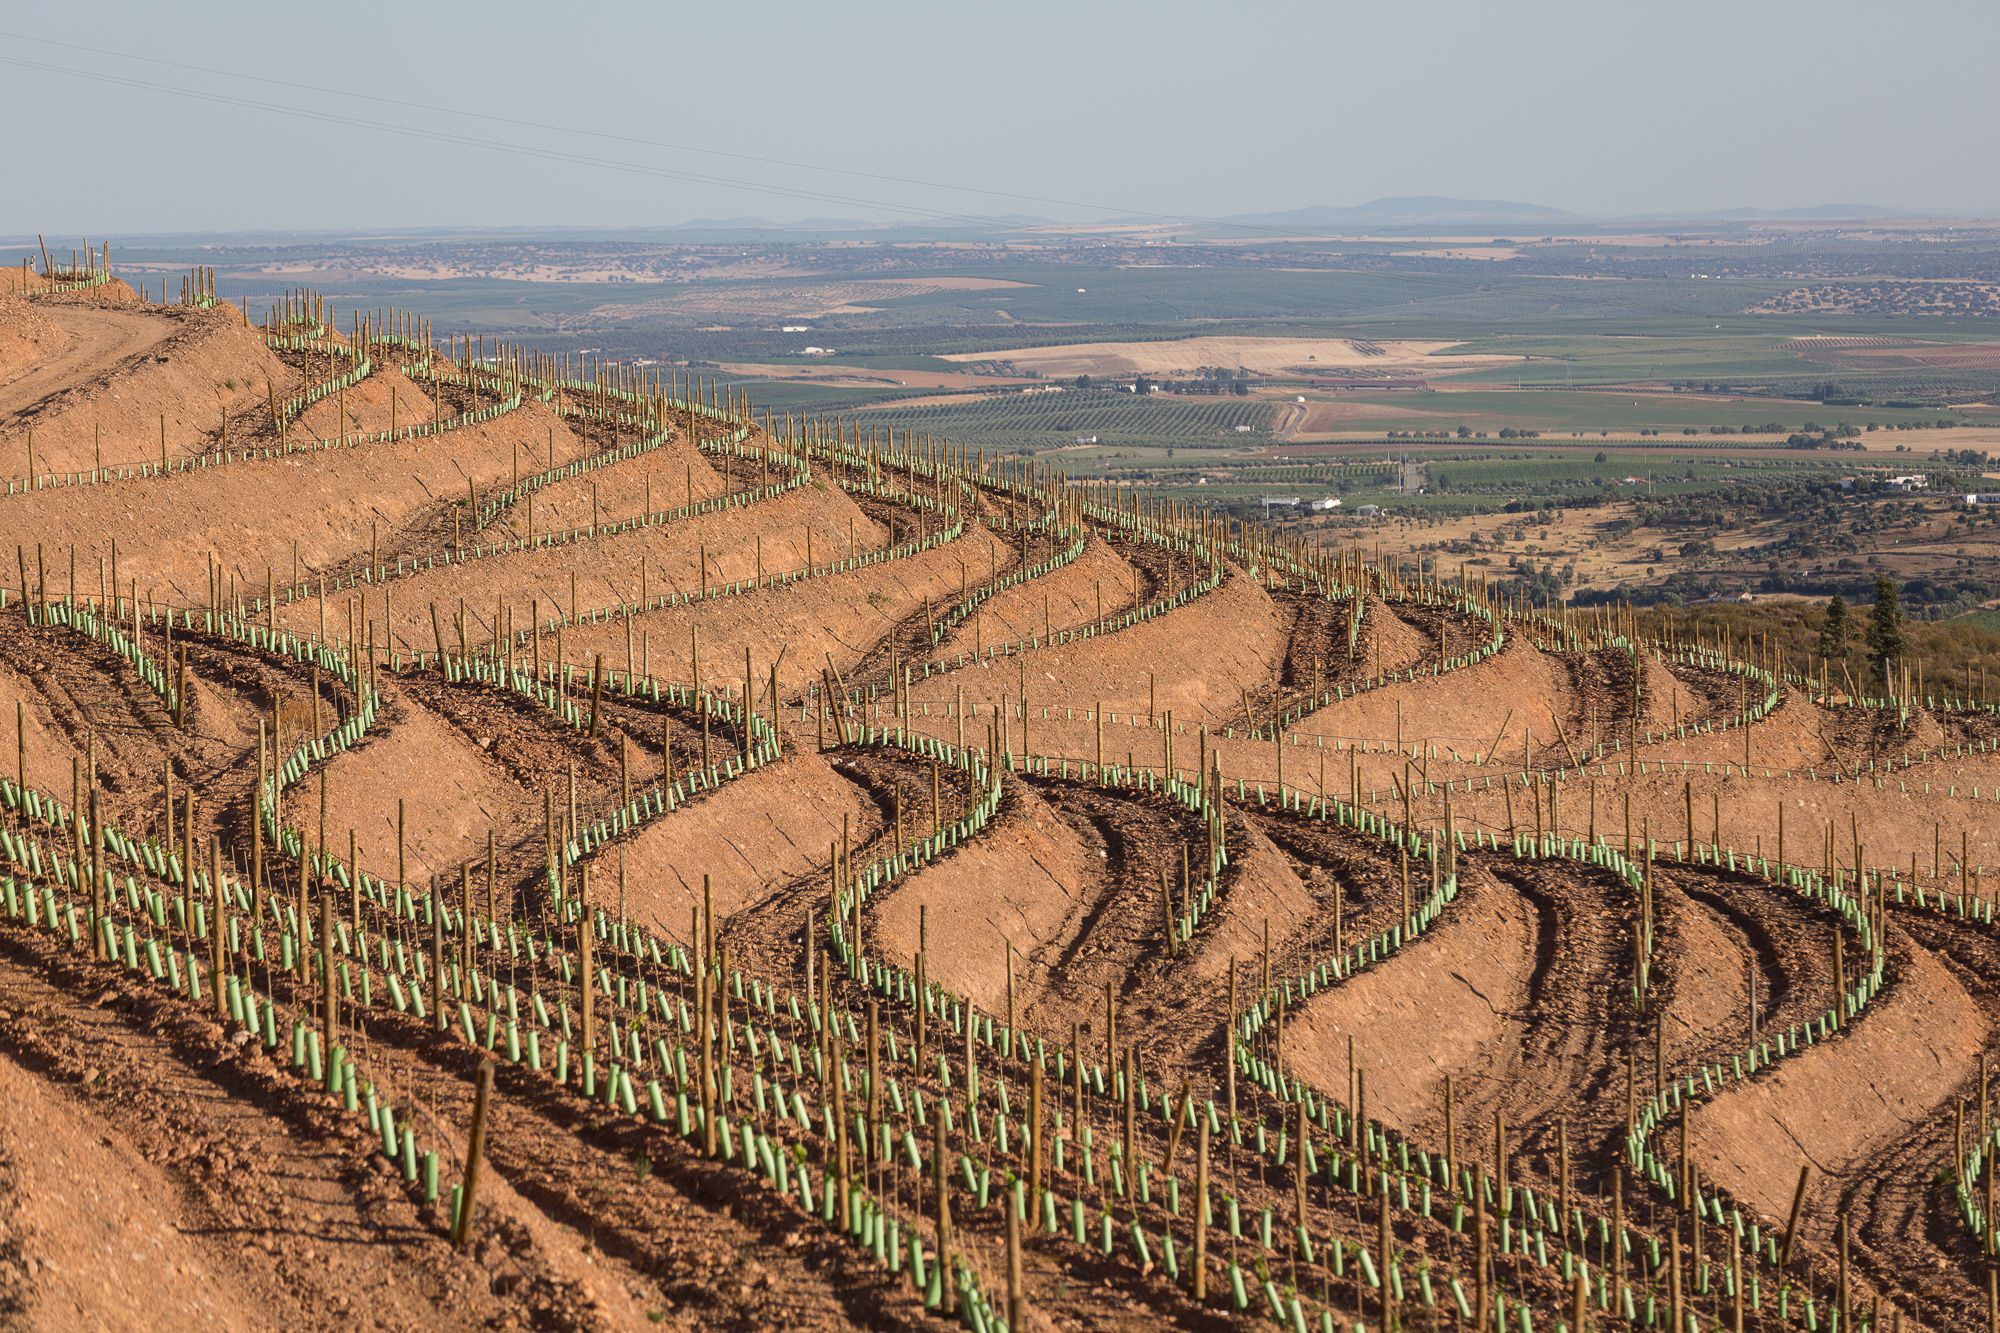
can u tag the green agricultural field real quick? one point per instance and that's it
(1018, 421)
(1347, 472)
(1762, 362)
(1590, 411)
(1114, 461)
(810, 397)
(1552, 476)
(1488, 480)
(1172, 293)
(1561, 360)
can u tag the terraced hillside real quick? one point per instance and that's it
(499, 840)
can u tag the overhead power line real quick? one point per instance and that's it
(582, 159)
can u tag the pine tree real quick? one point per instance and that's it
(1834, 627)
(1885, 629)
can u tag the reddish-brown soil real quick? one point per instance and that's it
(127, 367)
(323, 509)
(157, 1167)
(1197, 660)
(48, 350)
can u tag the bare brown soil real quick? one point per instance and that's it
(157, 1166)
(124, 367)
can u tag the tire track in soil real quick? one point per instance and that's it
(1150, 563)
(1317, 627)
(1323, 853)
(1909, 1241)
(1185, 1019)
(1705, 911)
(86, 691)
(103, 340)
(909, 642)
(1576, 1022)
(679, 1232)
(1596, 702)
(1569, 1019)
(1578, 1042)
(678, 1238)
(275, 1185)
(1095, 1292)
(1544, 951)
(536, 749)
(1119, 934)
(1587, 1039)
(1424, 619)
(1262, 1184)
(1601, 687)
(759, 940)
(529, 744)
(1789, 943)
(1580, 1024)
(768, 937)
(90, 692)
(1700, 913)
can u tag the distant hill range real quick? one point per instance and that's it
(1431, 210)
(1408, 213)
(1818, 213)
(1402, 212)
(1417, 210)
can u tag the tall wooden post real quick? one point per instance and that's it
(475, 1151)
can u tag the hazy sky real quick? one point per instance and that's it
(1610, 106)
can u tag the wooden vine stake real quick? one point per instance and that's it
(1016, 1301)
(1792, 1224)
(218, 975)
(329, 998)
(461, 1235)
(586, 970)
(1201, 1209)
(948, 1294)
(98, 947)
